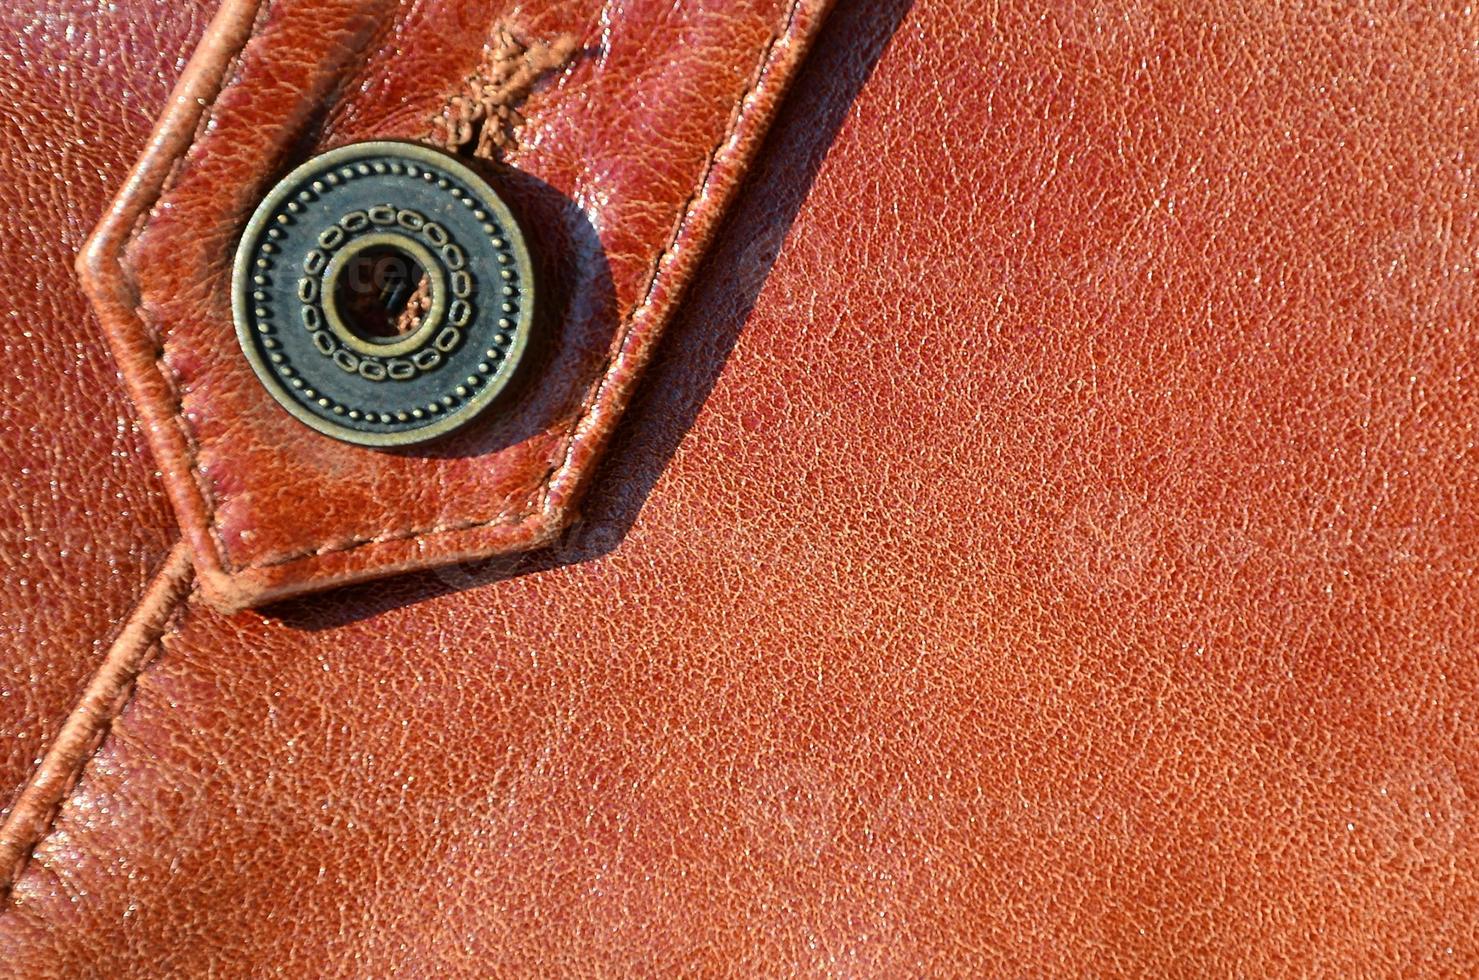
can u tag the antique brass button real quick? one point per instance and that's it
(383, 293)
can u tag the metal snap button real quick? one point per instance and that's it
(383, 293)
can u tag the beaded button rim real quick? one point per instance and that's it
(251, 252)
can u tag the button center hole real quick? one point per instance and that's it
(384, 294)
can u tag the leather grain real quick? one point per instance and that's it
(622, 164)
(1044, 545)
(83, 521)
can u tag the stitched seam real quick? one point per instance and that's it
(350, 544)
(129, 657)
(167, 373)
(546, 487)
(689, 206)
(172, 382)
(103, 724)
(96, 739)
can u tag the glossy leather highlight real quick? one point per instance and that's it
(1044, 543)
(626, 153)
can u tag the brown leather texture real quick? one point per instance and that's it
(83, 520)
(627, 149)
(1043, 544)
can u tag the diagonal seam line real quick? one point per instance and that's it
(110, 690)
(107, 248)
(101, 703)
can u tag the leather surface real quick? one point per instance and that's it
(83, 522)
(1045, 545)
(621, 165)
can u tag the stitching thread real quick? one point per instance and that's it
(167, 373)
(123, 695)
(486, 116)
(546, 486)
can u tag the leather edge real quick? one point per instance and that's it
(107, 285)
(86, 726)
(109, 289)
